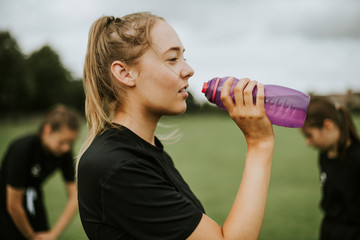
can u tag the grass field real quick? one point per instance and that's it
(210, 155)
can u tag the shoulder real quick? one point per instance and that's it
(26, 141)
(113, 173)
(112, 151)
(24, 144)
(107, 149)
(113, 161)
(355, 148)
(353, 153)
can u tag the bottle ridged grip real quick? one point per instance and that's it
(214, 91)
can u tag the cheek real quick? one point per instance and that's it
(313, 139)
(320, 142)
(54, 143)
(163, 86)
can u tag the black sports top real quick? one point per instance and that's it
(341, 186)
(27, 164)
(130, 189)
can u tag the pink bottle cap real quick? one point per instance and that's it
(205, 86)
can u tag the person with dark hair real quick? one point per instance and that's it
(330, 129)
(28, 162)
(128, 186)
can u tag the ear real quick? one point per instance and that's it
(121, 73)
(328, 124)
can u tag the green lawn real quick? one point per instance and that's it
(210, 155)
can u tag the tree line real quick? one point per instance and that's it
(36, 82)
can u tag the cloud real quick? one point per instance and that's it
(310, 45)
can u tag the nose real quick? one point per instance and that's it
(308, 142)
(187, 72)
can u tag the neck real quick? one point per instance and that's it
(141, 124)
(333, 152)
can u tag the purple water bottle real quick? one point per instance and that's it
(283, 106)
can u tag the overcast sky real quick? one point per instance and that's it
(309, 45)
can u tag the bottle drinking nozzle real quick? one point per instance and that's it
(283, 106)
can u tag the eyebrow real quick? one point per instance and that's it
(178, 49)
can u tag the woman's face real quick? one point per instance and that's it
(322, 139)
(58, 142)
(163, 73)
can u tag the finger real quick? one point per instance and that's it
(225, 93)
(248, 94)
(238, 91)
(260, 97)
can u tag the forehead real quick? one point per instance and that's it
(311, 130)
(65, 132)
(164, 37)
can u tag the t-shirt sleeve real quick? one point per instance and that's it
(139, 199)
(17, 165)
(67, 167)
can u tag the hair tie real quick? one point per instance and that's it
(109, 20)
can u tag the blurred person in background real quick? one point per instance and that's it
(28, 162)
(128, 187)
(330, 129)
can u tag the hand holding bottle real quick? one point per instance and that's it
(251, 118)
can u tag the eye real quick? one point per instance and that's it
(308, 136)
(174, 59)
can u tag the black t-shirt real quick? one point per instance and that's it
(130, 189)
(26, 165)
(341, 193)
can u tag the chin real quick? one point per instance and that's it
(177, 111)
(58, 153)
(322, 149)
(182, 110)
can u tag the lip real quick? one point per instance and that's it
(184, 94)
(183, 91)
(184, 88)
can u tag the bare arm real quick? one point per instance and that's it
(66, 215)
(14, 200)
(245, 218)
(68, 211)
